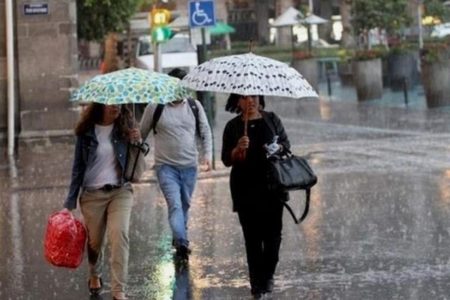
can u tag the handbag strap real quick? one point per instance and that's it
(144, 148)
(305, 210)
(269, 122)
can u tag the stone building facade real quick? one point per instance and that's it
(45, 66)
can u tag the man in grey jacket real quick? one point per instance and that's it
(176, 157)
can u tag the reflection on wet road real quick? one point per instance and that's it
(379, 225)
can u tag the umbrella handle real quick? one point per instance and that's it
(245, 120)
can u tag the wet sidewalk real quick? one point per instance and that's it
(379, 225)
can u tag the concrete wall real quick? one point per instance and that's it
(47, 67)
(3, 108)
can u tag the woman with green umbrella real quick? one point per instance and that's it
(106, 197)
(103, 136)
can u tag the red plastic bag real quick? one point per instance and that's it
(65, 239)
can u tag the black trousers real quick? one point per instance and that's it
(262, 225)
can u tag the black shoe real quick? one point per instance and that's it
(174, 245)
(257, 293)
(183, 252)
(268, 287)
(95, 291)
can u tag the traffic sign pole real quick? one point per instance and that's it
(157, 57)
(160, 33)
(201, 15)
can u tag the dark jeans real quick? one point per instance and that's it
(262, 226)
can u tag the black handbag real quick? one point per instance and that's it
(289, 172)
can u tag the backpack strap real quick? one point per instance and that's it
(194, 109)
(159, 109)
(156, 115)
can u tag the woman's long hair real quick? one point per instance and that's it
(93, 114)
(233, 103)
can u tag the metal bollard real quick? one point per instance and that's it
(405, 90)
(328, 83)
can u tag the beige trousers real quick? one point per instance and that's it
(108, 212)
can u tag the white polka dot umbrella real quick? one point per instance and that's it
(248, 74)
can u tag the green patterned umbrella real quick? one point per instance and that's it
(131, 86)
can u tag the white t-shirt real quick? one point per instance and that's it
(104, 167)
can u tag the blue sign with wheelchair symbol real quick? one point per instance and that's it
(201, 14)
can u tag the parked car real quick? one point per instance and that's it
(441, 30)
(178, 52)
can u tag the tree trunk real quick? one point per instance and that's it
(262, 15)
(412, 7)
(284, 34)
(348, 39)
(110, 61)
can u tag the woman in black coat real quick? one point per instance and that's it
(260, 211)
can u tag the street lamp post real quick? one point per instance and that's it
(419, 20)
(10, 75)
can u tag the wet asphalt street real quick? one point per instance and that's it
(379, 225)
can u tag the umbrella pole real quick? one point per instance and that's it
(134, 115)
(245, 119)
(244, 154)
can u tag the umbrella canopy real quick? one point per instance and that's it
(313, 19)
(131, 86)
(290, 17)
(248, 74)
(221, 28)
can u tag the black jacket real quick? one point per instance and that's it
(248, 178)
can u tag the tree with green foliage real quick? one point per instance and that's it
(97, 18)
(100, 20)
(381, 14)
(436, 8)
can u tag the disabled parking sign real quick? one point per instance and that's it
(201, 13)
